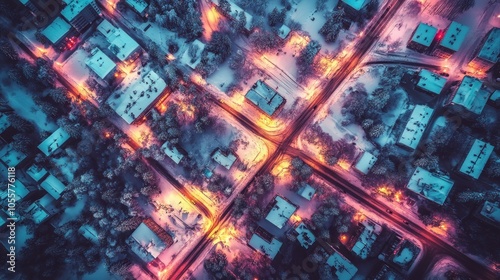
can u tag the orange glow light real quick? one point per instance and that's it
(344, 164)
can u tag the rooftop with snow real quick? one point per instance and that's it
(366, 239)
(74, 8)
(53, 186)
(225, 159)
(138, 5)
(53, 142)
(265, 97)
(121, 44)
(344, 269)
(476, 159)
(365, 162)
(306, 191)
(415, 127)
(357, 4)
(491, 211)
(454, 36)
(56, 30)
(471, 95)
(430, 81)
(430, 185)
(148, 240)
(490, 50)
(100, 63)
(42, 209)
(269, 247)
(234, 12)
(193, 61)
(305, 237)
(281, 211)
(424, 34)
(11, 157)
(172, 152)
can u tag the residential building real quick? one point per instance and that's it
(432, 186)
(453, 39)
(36, 172)
(265, 98)
(305, 237)
(415, 127)
(53, 186)
(224, 158)
(40, 210)
(283, 31)
(265, 243)
(139, 6)
(149, 240)
(101, 64)
(490, 213)
(122, 45)
(81, 13)
(430, 82)
(470, 96)
(11, 157)
(137, 94)
(365, 240)
(488, 52)
(306, 191)
(365, 162)
(89, 233)
(53, 142)
(174, 152)
(476, 159)
(354, 8)
(281, 210)
(193, 59)
(495, 98)
(344, 269)
(60, 34)
(233, 13)
(422, 37)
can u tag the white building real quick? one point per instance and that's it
(491, 211)
(138, 5)
(172, 152)
(430, 82)
(366, 239)
(284, 31)
(306, 191)
(265, 243)
(53, 186)
(476, 159)
(57, 31)
(281, 211)
(149, 240)
(100, 64)
(365, 162)
(470, 95)
(415, 127)
(422, 37)
(42, 209)
(121, 44)
(264, 97)
(53, 142)
(225, 159)
(192, 60)
(432, 186)
(344, 269)
(36, 172)
(305, 237)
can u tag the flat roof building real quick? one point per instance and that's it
(305, 237)
(344, 269)
(11, 157)
(283, 31)
(489, 51)
(368, 236)
(53, 142)
(193, 59)
(81, 13)
(265, 243)
(53, 186)
(173, 152)
(139, 6)
(306, 191)
(264, 97)
(470, 96)
(432, 186)
(490, 212)
(149, 240)
(476, 159)
(101, 64)
(365, 162)
(281, 211)
(415, 127)
(452, 40)
(122, 45)
(58, 33)
(430, 82)
(225, 159)
(42, 209)
(422, 37)
(36, 172)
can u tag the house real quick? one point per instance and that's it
(53, 186)
(306, 191)
(488, 52)
(265, 243)
(139, 6)
(305, 237)
(42, 209)
(422, 37)
(365, 162)
(430, 82)
(122, 45)
(265, 98)
(174, 152)
(53, 142)
(137, 94)
(283, 31)
(453, 38)
(233, 12)
(344, 269)
(470, 96)
(89, 233)
(149, 240)
(11, 157)
(490, 213)
(354, 8)
(281, 210)
(415, 127)
(495, 98)
(225, 159)
(36, 172)
(434, 187)
(368, 236)
(476, 159)
(193, 59)
(81, 13)
(101, 64)
(60, 34)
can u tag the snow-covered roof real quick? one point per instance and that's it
(100, 63)
(138, 5)
(491, 211)
(356, 4)
(416, 126)
(56, 30)
(42, 209)
(306, 191)
(496, 95)
(226, 160)
(471, 95)
(430, 81)
(54, 141)
(137, 95)
(344, 269)
(365, 162)
(188, 60)
(74, 8)
(36, 172)
(53, 186)
(432, 186)
(476, 159)
(280, 212)
(490, 50)
(269, 249)
(11, 157)
(89, 233)
(145, 243)
(4, 122)
(121, 44)
(424, 34)
(235, 10)
(24, 2)
(366, 239)
(404, 256)
(283, 31)
(265, 97)
(172, 152)
(20, 191)
(306, 237)
(454, 36)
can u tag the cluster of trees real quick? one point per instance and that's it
(331, 215)
(214, 54)
(392, 167)
(300, 170)
(253, 199)
(216, 266)
(276, 17)
(306, 57)
(220, 184)
(264, 41)
(332, 151)
(331, 29)
(182, 17)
